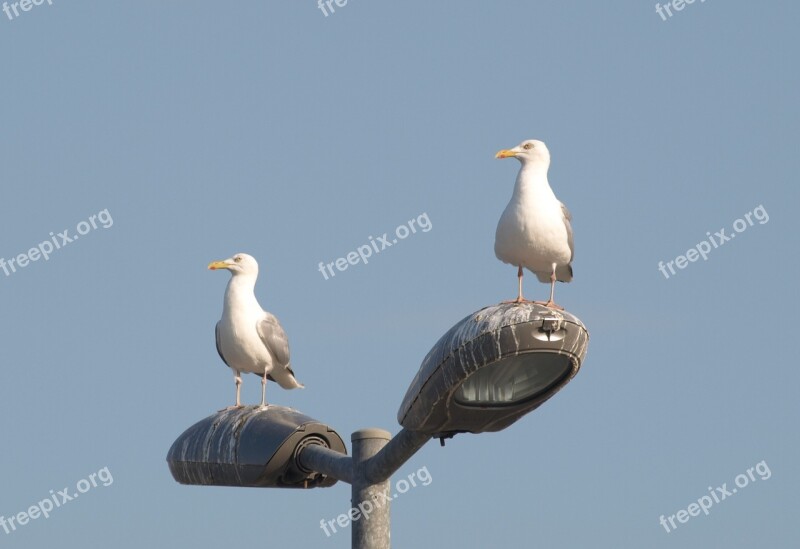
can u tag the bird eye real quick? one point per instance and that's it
(527, 146)
(237, 259)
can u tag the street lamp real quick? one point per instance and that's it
(251, 447)
(489, 370)
(493, 367)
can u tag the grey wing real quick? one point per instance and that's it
(271, 333)
(219, 350)
(567, 218)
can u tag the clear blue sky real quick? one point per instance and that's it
(206, 128)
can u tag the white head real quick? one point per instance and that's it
(531, 150)
(239, 264)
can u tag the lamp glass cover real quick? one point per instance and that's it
(513, 380)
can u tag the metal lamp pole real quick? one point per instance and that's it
(375, 458)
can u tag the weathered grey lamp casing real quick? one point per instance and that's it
(525, 336)
(251, 446)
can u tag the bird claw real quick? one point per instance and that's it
(234, 407)
(550, 305)
(516, 301)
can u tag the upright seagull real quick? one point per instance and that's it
(534, 231)
(249, 339)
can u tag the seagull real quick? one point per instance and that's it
(249, 339)
(534, 231)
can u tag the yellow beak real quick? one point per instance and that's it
(214, 265)
(505, 153)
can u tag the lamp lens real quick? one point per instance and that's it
(513, 380)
